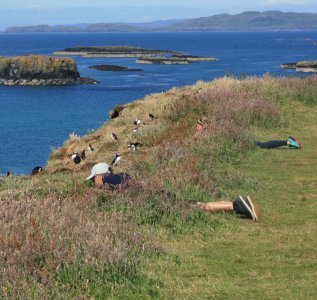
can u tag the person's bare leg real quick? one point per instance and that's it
(216, 206)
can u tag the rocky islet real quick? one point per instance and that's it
(176, 59)
(144, 56)
(112, 51)
(113, 68)
(301, 66)
(38, 70)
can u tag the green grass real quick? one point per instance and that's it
(60, 238)
(272, 259)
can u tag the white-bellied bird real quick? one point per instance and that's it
(134, 146)
(116, 159)
(137, 121)
(75, 158)
(152, 116)
(83, 155)
(37, 170)
(114, 136)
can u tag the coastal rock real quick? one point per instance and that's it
(302, 66)
(39, 70)
(163, 60)
(112, 68)
(193, 57)
(291, 65)
(175, 59)
(145, 56)
(111, 51)
(306, 66)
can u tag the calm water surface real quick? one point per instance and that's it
(35, 119)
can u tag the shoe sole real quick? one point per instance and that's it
(253, 208)
(248, 208)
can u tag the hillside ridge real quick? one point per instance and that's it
(245, 21)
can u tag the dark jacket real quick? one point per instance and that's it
(117, 181)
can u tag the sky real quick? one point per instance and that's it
(34, 12)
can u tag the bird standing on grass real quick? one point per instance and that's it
(8, 174)
(37, 170)
(137, 121)
(75, 158)
(152, 117)
(116, 159)
(134, 146)
(83, 155)
(91, 149)
(135, 130)
(114, 136)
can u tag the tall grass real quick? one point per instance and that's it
(189, 165)
(58, 246)
(62, 238)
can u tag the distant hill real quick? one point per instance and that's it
(46, 28)
(246, 21)
(250, 21)
(97, 27)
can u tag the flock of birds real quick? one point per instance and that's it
(77, 157)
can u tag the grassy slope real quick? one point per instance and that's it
(183, 255)
(273, 259)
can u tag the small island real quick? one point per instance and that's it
(291, 65)
(40, 70)
(113, 68)
(302, 66)
(161, 60)
(144, 56)
(112, 51)
(176, 59)
(193, 57)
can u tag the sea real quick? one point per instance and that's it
(35, 120)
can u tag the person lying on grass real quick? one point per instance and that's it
(244, 207)
(291, 141)
(102, 175)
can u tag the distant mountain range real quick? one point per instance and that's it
(246, 21)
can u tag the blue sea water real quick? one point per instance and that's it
(33, 120)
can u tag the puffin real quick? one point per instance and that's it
(134, 146)
(75, 158)
(116, 159)
(114, 136)
(37, 170)
(152, 116)
(137, 121)
(83, 155)
(91, 149)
